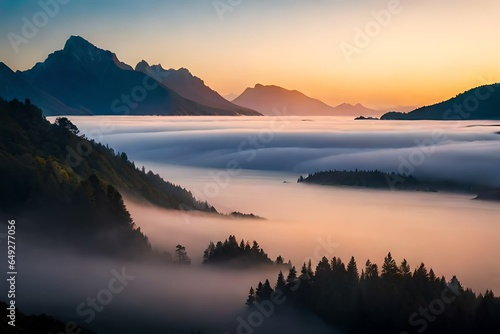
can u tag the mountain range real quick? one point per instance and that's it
(270, 100)
(82, 79)
(189, 87)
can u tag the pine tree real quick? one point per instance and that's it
(404, 268)
(389, 268)
(432, 276)
(181, 256)
(371, 270)
(421, 273)
(338, 269)
(334, 263)
(310, 272)
(303, 273)
(258, 291)
(323, 269)
(207, 254)
(280, 284)
(292, 275)
(352, 271)
(255, 246)
(267, 291)
(455, 285)
(251, 297)
(232, 243)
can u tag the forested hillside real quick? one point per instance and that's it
(70, 186)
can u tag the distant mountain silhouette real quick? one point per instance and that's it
(83, 79)
(190, 87)
(478, 103)
(348, 109)
(267, 99)
(230, 96)
(398, 109)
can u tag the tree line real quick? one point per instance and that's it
(393, 299)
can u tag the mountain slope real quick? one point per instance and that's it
(190, 87)
(478, 103)
(27, 141)
(94, 81)
(13, 86)
(272, 100)
(66, 187)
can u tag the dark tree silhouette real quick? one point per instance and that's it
(251, 297)
(404, 268)
(352, 270)
(292, 275)
(180, 256)
(389, 268)
(231, 253)
(66, 124)
(396, 302)
(371, 270)
(280, 283)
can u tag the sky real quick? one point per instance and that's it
(382, 53)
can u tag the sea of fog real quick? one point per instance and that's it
(251, 164)
(463, 150)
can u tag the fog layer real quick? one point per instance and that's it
(458, 151)
(242, 165)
